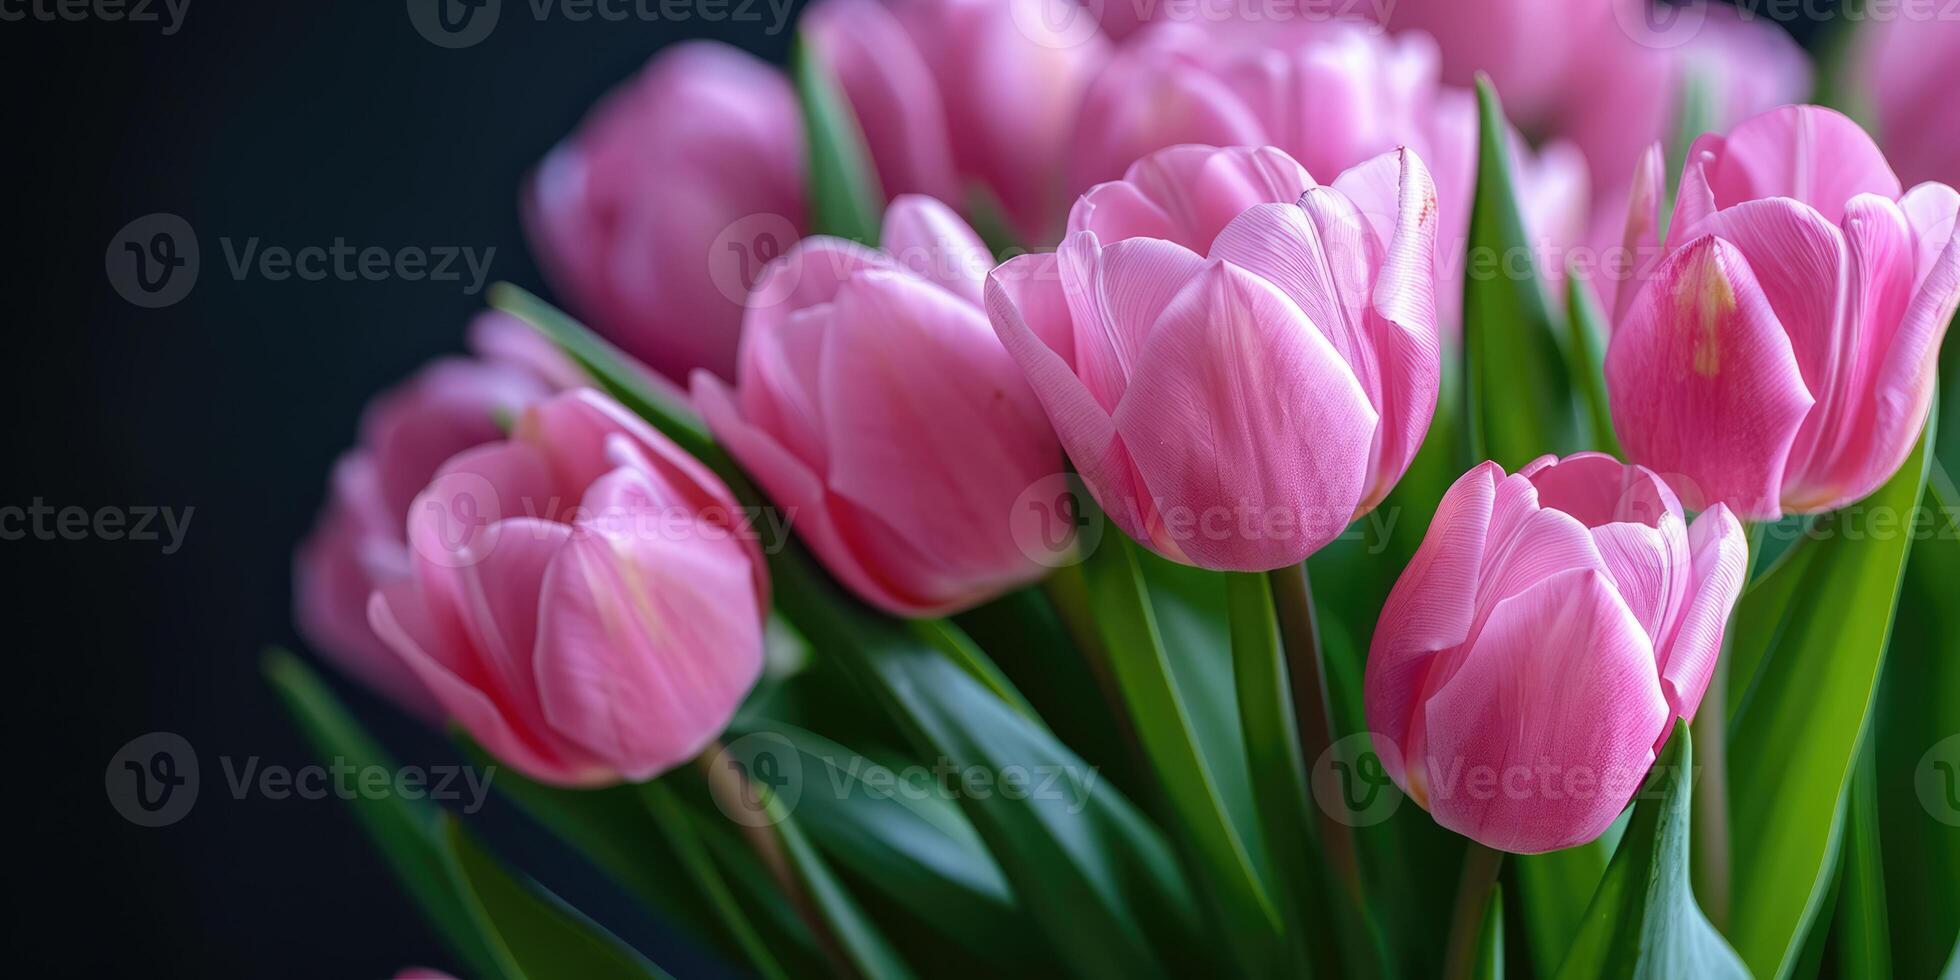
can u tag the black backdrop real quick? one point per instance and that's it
(297, 123)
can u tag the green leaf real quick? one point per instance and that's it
(531, 933)
(1553, 890)
(699, 866)
(908, 841)
(1917, 732)
(1643, 921)
(1809, 700)
(1585, 339)
(1763, 614)
(1518, 395)
(1490, 938)
(1142, 664)
(1084, 864)
(842, 189)
(1864, 940)
(404, 830)
(1272, 748)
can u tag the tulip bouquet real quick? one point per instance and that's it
(1099, 497)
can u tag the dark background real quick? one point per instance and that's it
(296, 123)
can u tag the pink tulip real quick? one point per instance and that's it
(1780, 354)
(1532, 658)
(359, 543)
(1238, 361)
(1529, 48)
(952, 93)
(654, 218)
(1331, 95)
(875, 405)
(1910, 68)
(584, 600)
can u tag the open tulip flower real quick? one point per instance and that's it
(1780, 355)
(876, 407)
(1239, 361)
(583, 601)
(1533, 656)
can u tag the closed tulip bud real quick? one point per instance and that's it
(1238, 361)
(953, 94)
(584, 600)
(1779, 354)
(1332, 96)
(358, 543)
(876, 407)
(654, 217)
(1532, 658)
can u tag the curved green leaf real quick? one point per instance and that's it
(699, 866)
(1585, 338)
(1810, 700)
(1145, 676)
(1864, 939)
(1643, 921)
(1518, 394)
(531, 933)
(405, 831)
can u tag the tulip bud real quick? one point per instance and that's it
(584, 600)
(358, 544)
(1238, 361)
(1780, 354)
(1532, 658)
(877, 408)
(654, 217)
(1331, 95)
(952, 93)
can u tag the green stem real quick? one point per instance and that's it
(1272, 749)
(1300, 635)
(1473, 893)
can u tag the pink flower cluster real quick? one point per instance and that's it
(1235, 334)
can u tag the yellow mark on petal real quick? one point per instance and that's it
(1707, 301)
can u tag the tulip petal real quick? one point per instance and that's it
(1558, 701)
(1930, 209)
(931, 425)
(1641, 241)
(1815, 155)
(1115, 296)
(399, 616)
(1030, 314)
(651, 632)
(1148, 99)
(1244, 414)
(1202, 188)
(1720, 563)
(927, 239)
(892, 91)
(1704, 386)
(1429, 610)
(1837, 452)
